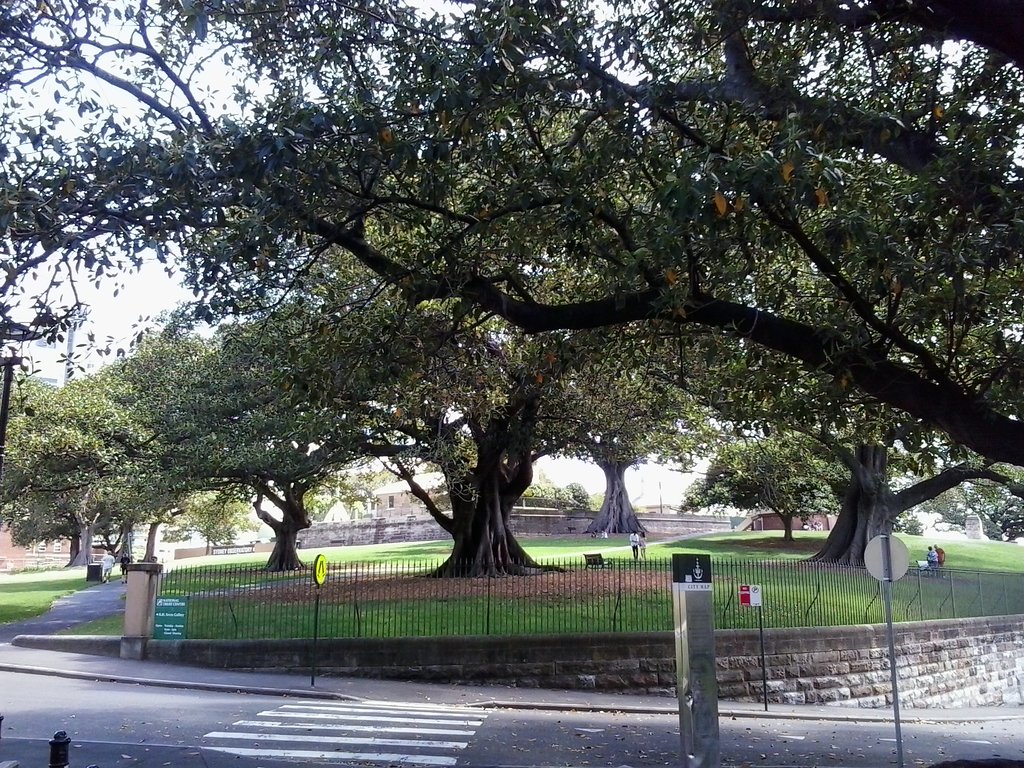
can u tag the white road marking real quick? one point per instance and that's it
(372, 740)
(366, 724)
(360, 710)
(356, 728)
(366, 718)
(376, 757)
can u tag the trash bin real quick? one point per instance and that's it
(94, 572)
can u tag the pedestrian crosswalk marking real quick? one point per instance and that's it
(381, 757)
(340, 715)
(356, 728)
(363, 710)
(374, 740)
(411, 731)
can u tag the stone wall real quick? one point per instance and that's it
(422, 528)
(971, 662)
(381, 530)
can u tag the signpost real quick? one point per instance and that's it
(887, 560)
(170, 617)
(696, 683)
(319, 577)
(750, 596)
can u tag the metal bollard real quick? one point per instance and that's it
(60, 748)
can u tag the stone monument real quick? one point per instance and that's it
(973, 529)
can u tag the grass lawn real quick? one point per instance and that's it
(24, 595)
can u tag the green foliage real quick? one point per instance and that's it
(908, 523)
(789, 475)
(819, 204)
(995, 505)
(217, 517)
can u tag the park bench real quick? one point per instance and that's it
(595, 560)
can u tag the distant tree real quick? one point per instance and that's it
(578, 496)
(908, 523)
(789, 475)
(225, 421)
(69, 453)
(623, 409)
(217, 517)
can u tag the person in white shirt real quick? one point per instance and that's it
(107, 561)
(634, 542)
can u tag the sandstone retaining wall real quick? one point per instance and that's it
(421, 528)
(971, 662)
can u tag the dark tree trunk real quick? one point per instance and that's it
(616, 514)
(126, 538)
(869, 508)
(787, 527)
(484, 543)
(285, 555)
(83, 556)
(150, 555)
(76, 547)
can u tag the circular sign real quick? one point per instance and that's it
(319, 569)
(874, 557)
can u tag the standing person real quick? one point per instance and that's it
(634, 542)
(107, 564)
(933, 558)
(125, 560)
(643, 546)
(940, 555)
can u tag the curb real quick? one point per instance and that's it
(183, 684)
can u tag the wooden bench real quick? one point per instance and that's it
(595, 560)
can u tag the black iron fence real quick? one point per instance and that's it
(404, 599)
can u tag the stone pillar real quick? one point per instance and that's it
(139, 609)
(973, 529)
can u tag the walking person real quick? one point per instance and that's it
(125, 560)
(107, 566)
(634, 543)
(643, 546)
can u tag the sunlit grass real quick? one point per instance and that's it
(28, 594)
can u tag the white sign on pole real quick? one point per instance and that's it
(875, 562)
(750, 595)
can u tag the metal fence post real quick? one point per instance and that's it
(952, 594)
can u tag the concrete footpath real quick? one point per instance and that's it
(103, 600)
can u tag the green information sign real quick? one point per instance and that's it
(170, 618)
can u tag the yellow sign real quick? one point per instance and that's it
(319, 569)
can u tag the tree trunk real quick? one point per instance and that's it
(126, 538)
(616, 514)
(869, 508)
(84, 554)
(150, 556)
(787, 527)
(76, 547)
(484, 543)
(285, 555)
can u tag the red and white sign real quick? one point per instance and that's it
(750, 595)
